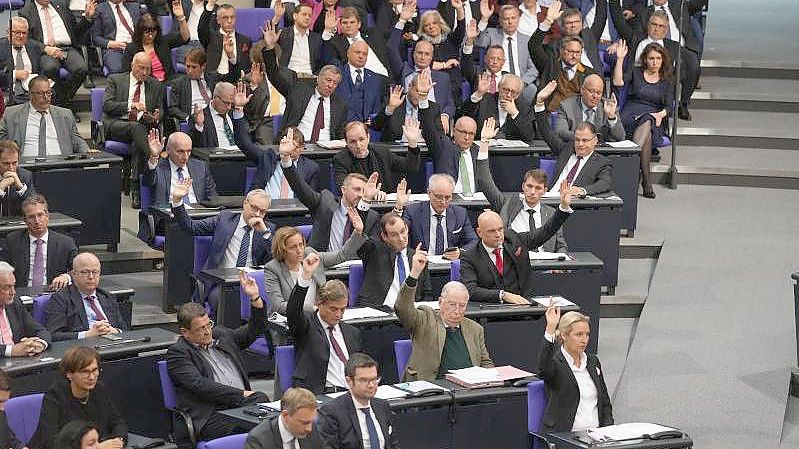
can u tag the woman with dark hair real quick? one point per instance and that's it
(647, 96)
(78, 434)
(148, 37)
(80, 396)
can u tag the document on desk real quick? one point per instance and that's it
(275, 405)
(388, 392)
(412, 198)
(332, 144)
(546, 255)
(419, 385)
(474, 377)
(560, 301)
(347, 263)
(438, 260)
(622, 144)
(432, 304)
(628, 431)
(508, 143)
(476, 196)
(362, 312)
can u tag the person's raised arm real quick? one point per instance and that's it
(406, 310)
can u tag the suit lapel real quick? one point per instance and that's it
(77, 302)
(425, 224)
(585, 170)
(352, 412)
(488, 260)
(24, 269)
(51, 254)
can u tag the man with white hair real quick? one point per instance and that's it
(20, 334)
(163, 173)
(213, 126)
(442, 340)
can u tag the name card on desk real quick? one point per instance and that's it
(508, 143)
(476, 196)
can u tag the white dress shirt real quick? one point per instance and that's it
(26, 60)
(506, 68)
(91, 317)
(589, 22)
(372, 61)
(433, 223)
(173, 179)
(132, 90)
(193, 20)
(224, 61)
(306, 124)
(219, 126)
(366, 444)
(528, 21)
(300, 58)
(521, 222)
(275, 182)
(31, 147)
(354, 73)
(335, 367)
(60, 34)
(393, 290)
(567, 168)
(470, 170)
(32, 252)
(289, 441)
(232, 250)
(196, 97)
(122, 34)
(674, 30)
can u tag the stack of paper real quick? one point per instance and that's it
(270, 405)
(438, 260)
(546, 255)
(388, 392)
(475, 377)
(419, 385)
(278, 318)
(622, 144)
(559, 301)
(332, 144)
(508, 143)
(362, 312)
(627, 431)
(412, 198)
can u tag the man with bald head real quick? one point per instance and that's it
(82, 309)
(131, 106)
(163, 173)
(442, 340)
(362, 88)
(589, 106)
(506, 106)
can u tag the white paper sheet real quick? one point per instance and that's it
(476, 374)
(626, 431)
(419, 385)
(332, 144)
(275, 405)
(362, 312)
(560, 301)
(476, 196)
(348, 263)
(546, 255)
(438, 260)
(622, 144)
(412, 198)
(389, 392)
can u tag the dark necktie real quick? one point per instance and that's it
(136, 98)
(228, 132)
(439, 234)
(335, 345)
(511, 59)
(42, 135)
(319, 120)
(93, 305)
(37, 271)
(358, 78)
(589, 115)
(203, 91)
(668, 28)
(531, 219)
(347, 231)
(123, 21)
(498, 259)
(180, 179)
(400, 268)
(19, 64)
(374, 439)
(241, 261)
(573, 172)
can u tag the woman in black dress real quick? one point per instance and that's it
(148, 37)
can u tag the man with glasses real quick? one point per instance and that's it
(19, 61)
(227, 49)
(207, 368)
(83, 310)
(20, 334)
(358, 419)
(509, 111)
(41, 257)
(162, 174)
(590, 107)
(39, 128)
(213, 125)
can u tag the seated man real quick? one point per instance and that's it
(443, 340)
(52, 251)
(162, 174)
(590, 107)
(509, 111)
(207, 368)
(25, 337)
(572, 23)
(360, 157)
(322, 341)
(584, 170)
(439, 90)
(441, 227)
(296, 422)
(350, 420)
(213, 126)
(19, 60)
(112, 30)
(40, 128)
(191, 90)
(226, 48)
(82, 310)
(399, 108)
(16, 183)
(361, 88)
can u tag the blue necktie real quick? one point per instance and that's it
(374, 440)
(439, 235)
(241, 261)
(400, 268)
(180, 179)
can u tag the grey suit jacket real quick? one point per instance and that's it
(570, 114)
(508, 205)
(15, 122)
(495, 36)
(279, 283)
(266, 435)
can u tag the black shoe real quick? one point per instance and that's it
(649, 193)
(135, 200)
(88, 83)
(77, 118)
(683, 113)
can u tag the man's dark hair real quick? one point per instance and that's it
(188, 312)
(358, 360)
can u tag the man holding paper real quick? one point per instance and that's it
(442, 341)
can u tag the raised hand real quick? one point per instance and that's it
(566, 192)
(489, 130)
(472, 32)
(411, 131)
(425, 82)
(230, 49)
(286, 146)
(155, 142)
(258, 224)
(180, 189)
(177, 8)
(483, 83)
(199, 115)
(270, 35)
(249, 286)
(280, 10)
(372, 187)
(355, 219)
(457, 4)
(610, 106)
(91, 7)
(403, 193)
(396, 98)
(241, 98)
(553, 317)
(554, 11)
(419, 261)
(621, 49)
(331, 21)
(309, 265)
(486, 10)
(544, 93)
(408, 10)
(257, 74)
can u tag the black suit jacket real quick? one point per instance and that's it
(198, 394)
(298, 95)
(266, 435)
(207, 138)
(391, 125)
(23, 324)
(596, 175)
(312, 350)
(340, 428)
(11, 203)
(391, 167)
(563, 392)
(519, 128)
(338, 45)
(74, 27)
(61, 249)
(479, 273)
(65, 314)
(378, 272)
(7, 437)
(692, 41)
(443, 151)
(211, 39)
(634, 35)
(181, 107)
(115, 100)
(286, 42)
(7, 55)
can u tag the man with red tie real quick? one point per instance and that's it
(82, 310)
(20, 334)
(112, 30)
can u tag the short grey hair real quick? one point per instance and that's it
(329, 68)
(436, 178)
(6, 268)
(451, 287)
(222, 88)
(19, 19)
(260, 193)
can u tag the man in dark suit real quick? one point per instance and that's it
(331, 224)
(23, 337)
(506, 107)
(321, 340)
(60, 42)
(192, 89)
(300, 48)
(16, 183)
(400, 107)
(131, 106)
(349, 420)
(441, 91)
(112, 30)
(213, 126)
(361, 88)
(572, 23)
(442, 228)
(585, 171)
(83, 310)
(318, 111)
(590, 106)
(19, 58)
(207, 368)
(38, 240)
(178, 165)
(228, 51)
(360, 157)
(294, 427)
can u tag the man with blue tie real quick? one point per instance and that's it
(162, 174)
(362, 88)
(441, 227)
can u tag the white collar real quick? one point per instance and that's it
(490, 250)
(570, 359)
(43, 237)
(173, 166)
(285, 435)
(433, 212)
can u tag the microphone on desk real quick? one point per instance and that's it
(122, 342)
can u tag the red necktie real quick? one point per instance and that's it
(48, 25)
(203, 91)
(123, 21)
(573, 171)
(97, 312)
(335, 345)
(319, 120)
(492, 88)
(136, 98)
(498, 259)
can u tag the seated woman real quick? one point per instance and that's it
(647, 96)
(147, 37)
(80, 396)
(446, 46)
(578, 396)
(78, 434)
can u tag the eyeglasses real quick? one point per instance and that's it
(87, 273)
(256, 209)
(43, 94)
(150, 30)
(441, 197)
(464, 132)
(208, 326)
(86, 373)
(374, 380)
(19, 33)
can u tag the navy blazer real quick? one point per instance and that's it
(266, 159)
(23, 324)
(221, 227)
(460, 232)
(11, 203)
(443, 151)
(441, 89)
(160, 179)
(61, 249)
(65, 314)
(104, 27)
(363, 101)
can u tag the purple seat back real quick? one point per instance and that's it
(167, 387)
(548, 166)
(258, 276)
(260, 346)
(354, 283)
(536, 404)
(305, 230)
(277, 120)
(22, 413)
(455, 270)
(229, 442)
(166, 24)
(145, 194)
(97, 94)
(284, 365)
(428, 172)
(249, 177)
(402, 352)
(427, 4)
(201, 245)
(250, 21)
(39, 308)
